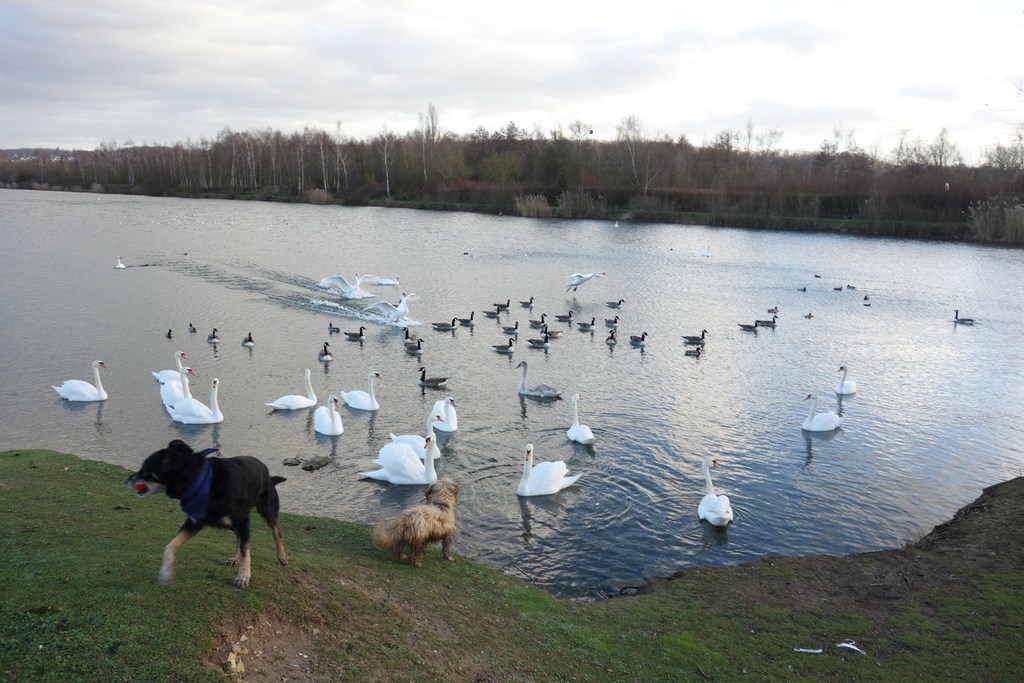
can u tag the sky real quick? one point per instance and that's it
(74, 75)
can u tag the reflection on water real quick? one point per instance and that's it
(922, 422)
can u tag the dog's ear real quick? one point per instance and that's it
(179, 445)
(431, 490)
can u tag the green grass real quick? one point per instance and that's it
(79, 557)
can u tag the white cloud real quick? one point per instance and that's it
(79, 74)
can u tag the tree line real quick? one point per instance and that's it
(743, 178)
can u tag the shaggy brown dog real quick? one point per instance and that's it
(419, 526)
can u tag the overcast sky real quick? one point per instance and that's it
(75, 74)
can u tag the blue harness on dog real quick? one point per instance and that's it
(196, 498)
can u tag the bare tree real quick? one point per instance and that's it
(384, 144)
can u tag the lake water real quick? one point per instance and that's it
(938, 415)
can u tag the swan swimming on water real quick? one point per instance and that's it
(419, 443)
(171, 375)
(820, 422)
(327, 419)
(363, 400)
(191, 411)
(845, 386)
(538, 390)
(450, 418)
(580, 433)
(172, 391)
(120, 264)
(544, 478)
(397, 313)
(399, 464)
(295, 401)
(80, 390)
(339, 285)
(713, 509)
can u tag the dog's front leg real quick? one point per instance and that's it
(186, 532)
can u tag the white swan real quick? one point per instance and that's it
(191, 411)
(388, 281)
(450, 418)
(419, 443)
(539, 390)
(295, 401)
(399, 464)
(577, 279)
(326, 419)
(172, 392)
(396, 313)
(171, 375)
(120, 264)
(820, 422)
(362, 400)
(715, 510)
(349, 290)
(578, 432)
(544, 478)
(79, 390)
(845, 386)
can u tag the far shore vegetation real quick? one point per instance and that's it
(741, 178)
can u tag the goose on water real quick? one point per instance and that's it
(445, 327)
(537, 324)
(527, 304)
(511, 329)
(504, 306)
(611, 322)
(192, 329)
(431, 381)
(541, 343)
(356, 336)
(213, 338)
(564, 318)
(696, 351)
(747, 327)
(332, 328)
(638, 339)
(766, 323)
(587, 327)
(415, 347)
(552, 334)
(325, 355)
(248, 342)
(492, 313)
(505, 348)
(615, 304)
(611, 339)
(961, 321)
(467, 322)
(695, 339)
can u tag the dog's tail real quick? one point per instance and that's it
(383, 537)
(277, 480)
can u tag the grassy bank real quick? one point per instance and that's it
(79, 557)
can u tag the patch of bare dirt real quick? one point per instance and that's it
(982, 536)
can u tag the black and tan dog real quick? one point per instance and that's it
(217, 492)
(419, 526)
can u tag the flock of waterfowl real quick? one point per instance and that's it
(409, 458)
